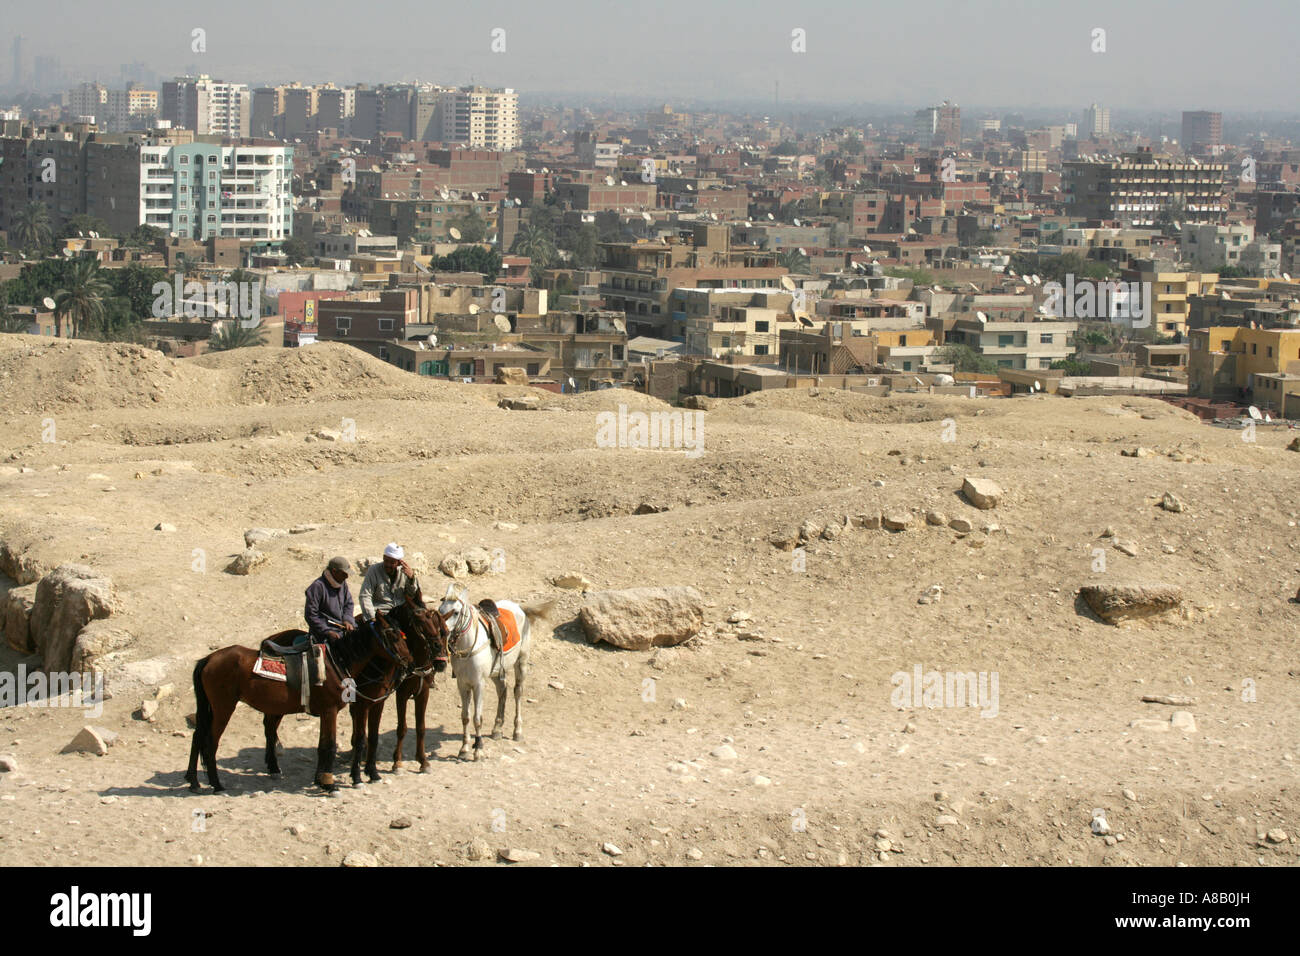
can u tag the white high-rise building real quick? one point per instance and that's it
(114, 111)
(1096, 122)
(207, 106)
(481, 118)
(200, 190)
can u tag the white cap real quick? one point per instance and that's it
(394, 551)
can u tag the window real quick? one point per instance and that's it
(1270, 351)
(761, 327)
(1046, 339)
(343, 323)
(385, 325)
(383, 353)
(1254, 349)
(902, 340)
(533, 368)
(1005, 340)
(466, 368)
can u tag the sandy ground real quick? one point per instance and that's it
(627, 748)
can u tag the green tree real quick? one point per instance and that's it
(793, 260)
(10, 321)
(785, 148)
(134, 283)
(145, 237)
(919, 277)
(1072, 366)
(83, 224)
(851, 145)
(296, 251)
(470, 259)
(234, 335)
(963, 358)
(32, 227)
(472, 228)
(535, 243)
(81, 300)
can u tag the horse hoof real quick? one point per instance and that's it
(195, 788)
(496, 735)
(519, 735)
(374, 777)
(424, 768)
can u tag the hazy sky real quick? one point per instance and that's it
(1160, 54)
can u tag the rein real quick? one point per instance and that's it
(401, 669)
(466, 612)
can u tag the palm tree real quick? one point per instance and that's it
(235, 335)
(10, 321)
(792, 260)
(82, 298)
(32, 227)
(533, 241)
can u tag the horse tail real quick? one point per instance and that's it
(203, 708)
(541, 611)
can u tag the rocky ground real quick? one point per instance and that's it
(777, 735)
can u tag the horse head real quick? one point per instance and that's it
(433, 631)
(455, 612)
(392, 643)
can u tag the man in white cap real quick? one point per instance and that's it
(387, 587)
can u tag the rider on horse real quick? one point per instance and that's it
(329, 609)
(389, 588)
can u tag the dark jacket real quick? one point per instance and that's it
(325, 604)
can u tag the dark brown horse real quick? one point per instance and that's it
(225, 677)
(427, 641)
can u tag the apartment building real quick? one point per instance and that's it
(1096, 122)
(1228, 362)
(199, 190)
(481, 118)
(208, 107)
(427, 220)
(1213, 247)
(939, 125)
(639, 277)
(1201, 130)
(588, 347)
(113, 111)
(1171, 292)
(1031, 345)
(371, 321)
(837, 348)
(1139, 187)
(720, 322)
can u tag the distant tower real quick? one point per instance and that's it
(18, 62)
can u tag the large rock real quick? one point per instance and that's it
(897, 521)
(96, 641)
(16, 618)
(508, 375)
(525, 403)
(247, 561)
(16, 562)
(67, 599)
(1117, 603)
(92, 740)
(640, 618)
(478, 560)
(982, 493)
(571, 581)
(255, 536)
(454, 566)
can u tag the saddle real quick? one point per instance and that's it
(287, 656)
(502, 629)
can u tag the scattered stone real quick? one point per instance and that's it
(358, 859)
(869, 522)
(897, 521)
(329, 434)
(961, 524)
(932, 595)
(247, 561)
(477, 849)
(8, 763)
(1116, 603)
(808, 530)
(511, 375)
(148, 710)
(694, 853)
(523, 403)
(92, 740)
(505, 526)
(1276, 836)
(724, 752)
(305, 528)
(572, 581)
(163, 526)
(401, 823)
(610, 849)
(945, 820)
(1126, 547)
(1109, 532)
(1183, 720)
(650, 508)
(738, 617)
(67, 601)
(1171, 502)
(513, 855)
(1154, 726)
(1167, 699)
(784, 540)
(1129, 795)
(759, 780)
(937, 518)
(641, 618)
(982, 493)
(831, 532)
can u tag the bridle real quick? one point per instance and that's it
(403, 669)
(428, 669)
(465, 619)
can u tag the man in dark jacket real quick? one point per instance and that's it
(329, 609)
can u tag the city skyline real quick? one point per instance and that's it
(974, 53)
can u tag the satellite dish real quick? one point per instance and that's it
(787, 283)
(1254, 413)
(866, 248)
(770, 216)
(473, 309)
(68, 253)
(494, 238)
(609, 180)
(982, 317)
(48, 303)
(802, 251)
(795, 221)
(1038, 385)
(501, 322)
(572, 383)
(1286, 276)
(689, 187)
(454, 232)
(622, 182)
(647, 217)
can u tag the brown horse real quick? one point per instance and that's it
(225, 677)
(427, 640)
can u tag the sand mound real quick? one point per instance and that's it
(609, 399)
(840, 405)
(44, 375)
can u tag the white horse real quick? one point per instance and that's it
(474, 660)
